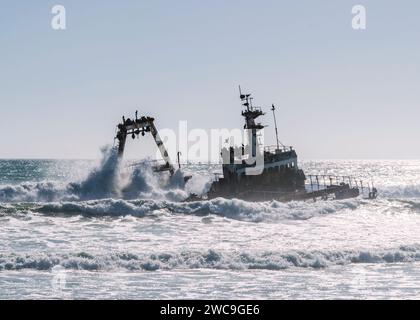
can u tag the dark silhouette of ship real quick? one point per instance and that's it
(278, 174)
(253, 172)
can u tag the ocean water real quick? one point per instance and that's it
(102, 230)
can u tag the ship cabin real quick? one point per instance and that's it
(278, 160)
(275, 161)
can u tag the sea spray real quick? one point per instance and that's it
(144, 183)
(177, 180)
(199, 184)
(110, 179)
(140, 181)
(103, 181)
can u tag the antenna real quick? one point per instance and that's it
(273, 108)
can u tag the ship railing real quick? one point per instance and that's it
(155, 165)
(320, 182)
(273, 148)
(133, 164)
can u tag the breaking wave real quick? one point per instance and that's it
(109, 191)
(34, 192)
(229, 208)
(103, 181)
(140, 183)
(210, 259)
(107, 180)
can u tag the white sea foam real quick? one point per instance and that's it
(141, 183)
(230, 208)
(140, 222)
(210, 259)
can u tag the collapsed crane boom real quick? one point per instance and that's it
(141, 126)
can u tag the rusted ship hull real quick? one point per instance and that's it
(257, 193)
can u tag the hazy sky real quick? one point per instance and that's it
(341, 93)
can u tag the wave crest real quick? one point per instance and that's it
(229, 208)
(210, 259)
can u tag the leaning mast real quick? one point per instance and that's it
(273, 108)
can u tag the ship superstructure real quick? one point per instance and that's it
(280, 172)
(280, 178)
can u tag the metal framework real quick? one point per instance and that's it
(142, 125)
